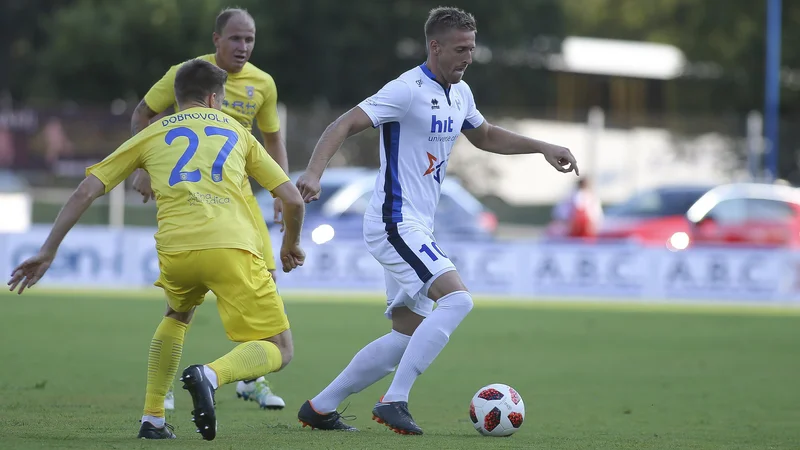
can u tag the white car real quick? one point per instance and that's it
(346, 192)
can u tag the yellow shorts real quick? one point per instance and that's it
(247, 299)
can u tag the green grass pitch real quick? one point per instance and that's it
(592, 377)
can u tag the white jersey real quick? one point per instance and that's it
(420, 122)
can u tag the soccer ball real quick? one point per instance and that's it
(497, 410)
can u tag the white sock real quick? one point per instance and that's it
(212, 376)
(157, 422)
(373, 362)
(427, 342)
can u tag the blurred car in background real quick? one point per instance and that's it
(346, 192)
(651, 217)
(743, 214)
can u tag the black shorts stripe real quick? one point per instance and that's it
(408, 255)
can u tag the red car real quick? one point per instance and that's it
(651, 217)
(744, 214)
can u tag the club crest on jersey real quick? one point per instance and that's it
(434, 103)
(434, 168)
(250, 91)
(419, 82)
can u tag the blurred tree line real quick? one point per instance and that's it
(93, 51)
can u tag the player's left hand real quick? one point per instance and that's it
(292, 257)
(30, 271)
(561, 158)
(278, 207)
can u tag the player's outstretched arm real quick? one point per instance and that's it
(294, 210)
(498, 140)
(140, 119)
(31, 270)
(348, 124)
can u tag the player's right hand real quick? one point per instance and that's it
(292, 256)
(141, 184)
(30, 271)
(309, 187)
(561, 159)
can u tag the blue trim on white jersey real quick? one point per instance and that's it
(427, 71)
(407, 254)
(467, 126)
(392, 210)
(424, 67)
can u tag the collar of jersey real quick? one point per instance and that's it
(195, 107)
(430, 75)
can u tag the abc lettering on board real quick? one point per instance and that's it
(720, 273)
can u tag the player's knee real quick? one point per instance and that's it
(459, 300)
(285, 345)
(445, 284)
(185, 317)
(287, 353)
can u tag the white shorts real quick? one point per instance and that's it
(411, 261)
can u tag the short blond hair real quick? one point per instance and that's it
(446, 18)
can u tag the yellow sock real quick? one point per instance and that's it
(247, 361)
(162, 364)
(172, 383)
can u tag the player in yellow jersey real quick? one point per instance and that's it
(208, 239)
(250, 94)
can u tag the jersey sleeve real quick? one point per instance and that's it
(116, 167)
(267, 116)
(162, 95)
(474, 118)
(389, 104)
(262, 167)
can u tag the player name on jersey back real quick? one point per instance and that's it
(180, 117)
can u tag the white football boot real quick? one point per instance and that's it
(169, 400)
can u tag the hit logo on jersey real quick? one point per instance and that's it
(441, 126)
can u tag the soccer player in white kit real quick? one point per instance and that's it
(420, 114)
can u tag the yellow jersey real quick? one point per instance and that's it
(250, 93)
(199, 160)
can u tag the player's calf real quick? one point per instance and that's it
(246, 361)
(429, 339)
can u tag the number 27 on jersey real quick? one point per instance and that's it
(178, 175)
